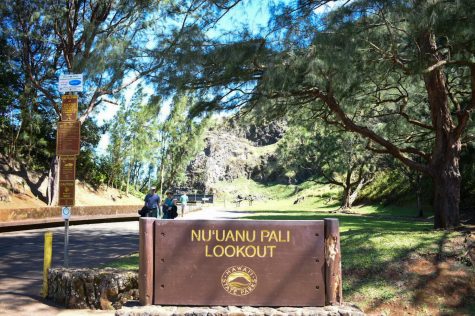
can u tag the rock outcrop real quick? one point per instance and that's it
(92, 288)
(234, 151)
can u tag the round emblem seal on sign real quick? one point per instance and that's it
(239, 280)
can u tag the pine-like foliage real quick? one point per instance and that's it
(398, 73)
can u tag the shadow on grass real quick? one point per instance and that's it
(347, 221)
(455, 285)
(375, 257)
(395, 210)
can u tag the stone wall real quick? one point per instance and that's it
(92, 288)
(19, 214)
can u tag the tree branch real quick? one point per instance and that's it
(350, 125)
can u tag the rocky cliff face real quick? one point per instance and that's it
(260, 135)
(234, 151)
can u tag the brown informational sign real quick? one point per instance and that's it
(68, 138)
(67, 191)
(240, 263)
(67, 168)
(69, 109)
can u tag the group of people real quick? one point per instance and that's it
(169, 207)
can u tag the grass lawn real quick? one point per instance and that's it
(130, 262)
(391, 265)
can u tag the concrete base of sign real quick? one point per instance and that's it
(156, 310)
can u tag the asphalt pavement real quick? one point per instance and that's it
(21, 259)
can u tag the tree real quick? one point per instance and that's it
(398, 73)
(96, 38)
(181, 138)
(133, 140)
(109, 41)
(140, 142)
(327, 156)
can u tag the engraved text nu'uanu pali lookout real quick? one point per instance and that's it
(240, 263)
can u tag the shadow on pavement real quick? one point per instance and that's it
(90, 246)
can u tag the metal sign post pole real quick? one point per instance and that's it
(66, 242)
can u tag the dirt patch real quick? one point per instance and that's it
(85, 196)
(441, 283)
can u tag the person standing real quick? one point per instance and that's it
(167, 206)
(174, 212)
(184, 202)
(152, 200)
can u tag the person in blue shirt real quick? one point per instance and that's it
(152, 200)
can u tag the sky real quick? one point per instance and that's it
(252, 14)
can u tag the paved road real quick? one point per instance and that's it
(21, 259)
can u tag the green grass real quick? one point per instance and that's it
(316, 197)
(130, 262)
(408, 209)
(280, 192)
(375, 249)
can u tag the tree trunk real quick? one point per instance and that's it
(447, 182)
(444, 164)
(419, 205)
(346, 198)
(417, 186)
(161, 176)
(53, 182)
(128, 179)
(347, 190)
(357, 190)
(149, 177)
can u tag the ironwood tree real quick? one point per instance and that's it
(181, 138)
(108, 41)
(133, 141)
(401, 74)
(327, 156)
(95, 38)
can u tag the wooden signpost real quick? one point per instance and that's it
(239, 263)
(67, 178)
(69, 109)
(67, 168)
(68, 145)
(68, 138)
(67, 193)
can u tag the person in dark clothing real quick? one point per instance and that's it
(167, 206)
(174, 213)
(152, 201)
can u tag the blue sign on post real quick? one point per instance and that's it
(71, 83)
